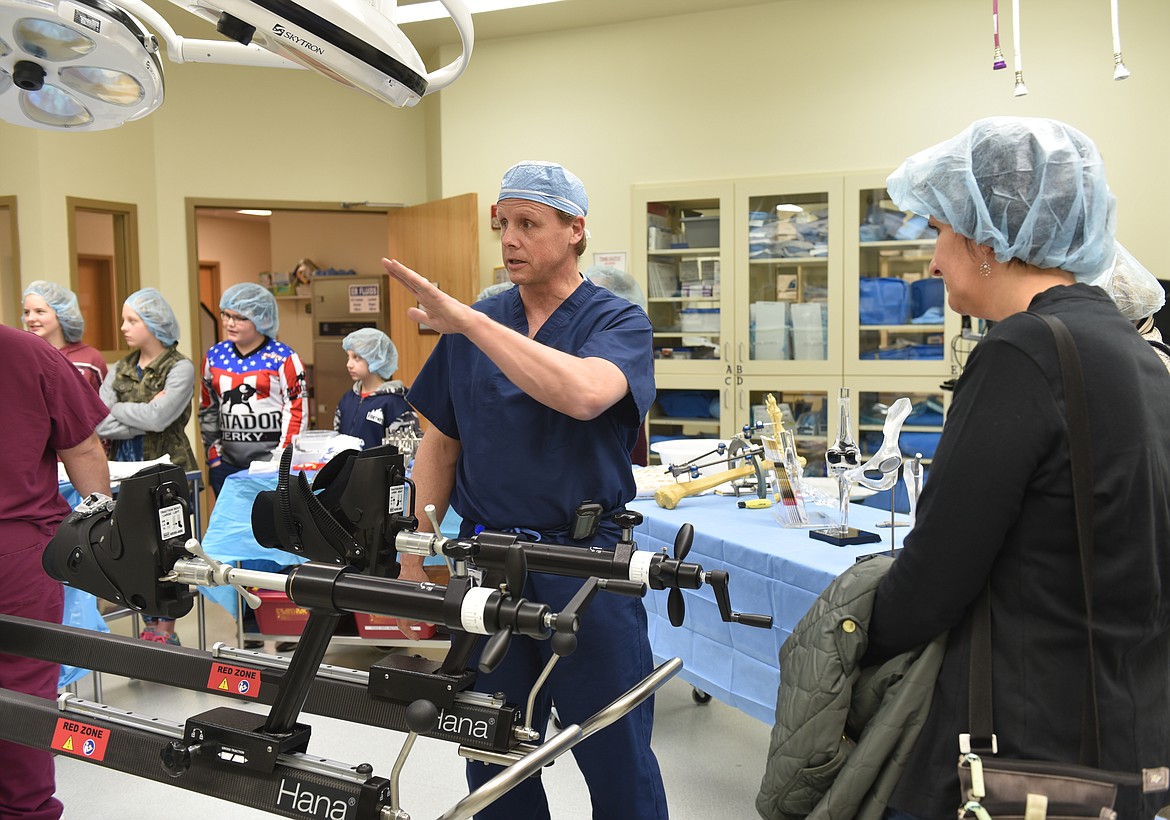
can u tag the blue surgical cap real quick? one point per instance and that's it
(617, 281)
(1137, 292)
(156, 314)
(547, 183)
(254, 303)
(64, 303)
(1030, 189)
(376, 348)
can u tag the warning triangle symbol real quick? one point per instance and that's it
(223, 684)
(68, 744)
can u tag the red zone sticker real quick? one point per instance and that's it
(80, 739)
(238, 680)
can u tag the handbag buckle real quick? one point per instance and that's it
(973, 808)
(965, 743)
(977, 791)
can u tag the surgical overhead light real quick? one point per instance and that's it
(89, 65)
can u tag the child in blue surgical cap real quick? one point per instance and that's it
(53, 313)
(149, 394)
(375, 410)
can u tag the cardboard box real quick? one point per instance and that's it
(278, 615)
(786, 286)
(385, 628)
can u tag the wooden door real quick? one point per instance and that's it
(98, 300)
(440, 240)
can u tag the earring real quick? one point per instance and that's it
(985, 267)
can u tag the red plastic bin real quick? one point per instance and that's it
(385, 628)
(278, 615)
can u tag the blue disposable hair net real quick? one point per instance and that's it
(1137, 292)
(493, 289)
(376, 348)
(617, 281)
(156, 314)
(254, 303)
(1030, 189)
(64, 303)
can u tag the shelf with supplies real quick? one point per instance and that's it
(815, 283)
(902, 309)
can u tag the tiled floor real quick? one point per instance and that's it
(711, 755)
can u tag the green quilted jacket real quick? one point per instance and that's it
(842, 732)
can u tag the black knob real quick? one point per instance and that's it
(28, 75)
(422, 716)
(176, 758)
(627, 519)
(235, 28)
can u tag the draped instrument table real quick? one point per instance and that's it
(773, 571)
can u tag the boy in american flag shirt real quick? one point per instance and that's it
(254, 398)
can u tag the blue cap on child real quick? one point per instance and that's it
(376, 348)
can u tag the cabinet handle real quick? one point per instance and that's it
(726, 404)
(727, 351)
(739, 347)
(741, 404)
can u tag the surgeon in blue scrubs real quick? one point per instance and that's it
(534, 398)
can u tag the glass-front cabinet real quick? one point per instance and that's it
(788, 275)
(796, 286)
(902, 323)
(683, 241)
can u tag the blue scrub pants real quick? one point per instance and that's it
(218, 474)
(612, 654)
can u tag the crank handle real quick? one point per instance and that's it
(717, 580)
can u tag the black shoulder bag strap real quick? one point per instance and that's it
(1161, 346)
(1080, 459)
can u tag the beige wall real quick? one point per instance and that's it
(802, 87)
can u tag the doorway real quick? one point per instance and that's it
(103, 258)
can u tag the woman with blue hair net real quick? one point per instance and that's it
(1139, 295)
(253, 400)
(1025, 221)
(375, 410)
(51, 312)
(149, 394)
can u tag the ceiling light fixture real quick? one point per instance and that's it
(254, 212)
(89, 65)
(433, 10)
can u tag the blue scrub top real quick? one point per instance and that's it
(522, 463)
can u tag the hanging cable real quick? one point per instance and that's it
(1021, 89)
(998, 61)
(1120, 72)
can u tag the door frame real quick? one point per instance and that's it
(10, 281)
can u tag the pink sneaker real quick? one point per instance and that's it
(169, 638)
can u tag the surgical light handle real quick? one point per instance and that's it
(218, 52)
